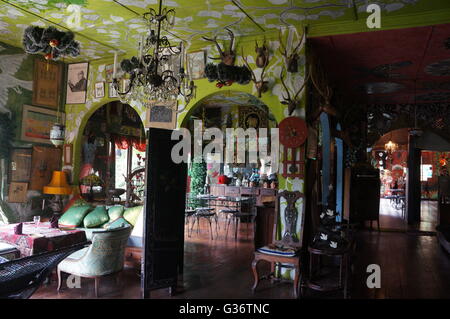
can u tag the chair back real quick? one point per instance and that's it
(289, 219)
(106, 253)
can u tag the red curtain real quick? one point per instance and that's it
(123, 142)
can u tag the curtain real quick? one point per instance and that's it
(123, 142)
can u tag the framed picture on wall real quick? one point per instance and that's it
(17, 192)
(37, 123)
(112, 92)
(99, 90)
(67, 154)
(46, 83)
(77, 81)
(161, 115)
(196, 64)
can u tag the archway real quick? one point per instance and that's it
(112, 147)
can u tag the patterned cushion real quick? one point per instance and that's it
(115, 212)
(278, 251)
(96, 218)
(74, 216)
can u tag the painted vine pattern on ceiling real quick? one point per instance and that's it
(109, 26)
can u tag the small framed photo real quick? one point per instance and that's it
(67, 154)
(17, 192)
(196, 64)
(99, 90)
(161, 115)
(112, 92)
(77, 81)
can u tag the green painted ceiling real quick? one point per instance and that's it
(108, 25)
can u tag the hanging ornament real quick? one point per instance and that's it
(54, 43)
(48, 56)
(57, 134)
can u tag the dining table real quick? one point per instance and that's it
(40, 237)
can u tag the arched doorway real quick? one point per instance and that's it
(227, 110)
(113, 155)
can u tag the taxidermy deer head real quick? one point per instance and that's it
(291, 56)
(292, 103)
(262, 54)
(326, 93)
(227, 56)
(261, 85)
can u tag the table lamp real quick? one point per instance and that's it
(58, 186)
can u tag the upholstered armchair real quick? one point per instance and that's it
(105, 256)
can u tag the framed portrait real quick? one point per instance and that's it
(252, 117)
(112, 92)
(67, 154)
(196, 64)
(37, 123)
(17, 192)
(46, 83)
(77, 82)
(99, 90)
(161, 115)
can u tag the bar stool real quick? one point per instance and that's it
(229, 216)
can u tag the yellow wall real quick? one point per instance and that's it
(78, 114)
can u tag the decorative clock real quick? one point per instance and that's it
(293, 133)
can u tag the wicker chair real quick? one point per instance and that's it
(20, 278)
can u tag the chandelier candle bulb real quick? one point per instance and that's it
(115, 65)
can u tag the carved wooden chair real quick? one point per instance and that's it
(287, 242)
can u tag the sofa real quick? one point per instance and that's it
(133, 251)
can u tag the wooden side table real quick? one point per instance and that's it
(321, 280)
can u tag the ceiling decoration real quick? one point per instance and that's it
(391, 66)
(381, 87)
(440, 68)
(50, 41)
(106, 26)
(386, 71)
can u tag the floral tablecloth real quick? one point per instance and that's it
(40, 238)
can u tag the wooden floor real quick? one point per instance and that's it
(391, 219)
(411, 267)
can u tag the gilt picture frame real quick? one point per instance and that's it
(161, 115)
(37, 123)
(196, 62)
(46, 83)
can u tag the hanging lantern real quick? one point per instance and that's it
(57, 134)
(48, 56)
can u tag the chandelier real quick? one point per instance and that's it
(157, 73)
(390, 147)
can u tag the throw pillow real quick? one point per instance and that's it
(118, 223)
(115, 212)
(76, 200)
(131, 214)
(96, 218)
(74, 216)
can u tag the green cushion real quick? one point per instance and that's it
(120, 222)
(74, 216)
(96, 218)
(115, 212)
(131, 214)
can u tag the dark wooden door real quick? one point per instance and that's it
(164, 214)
